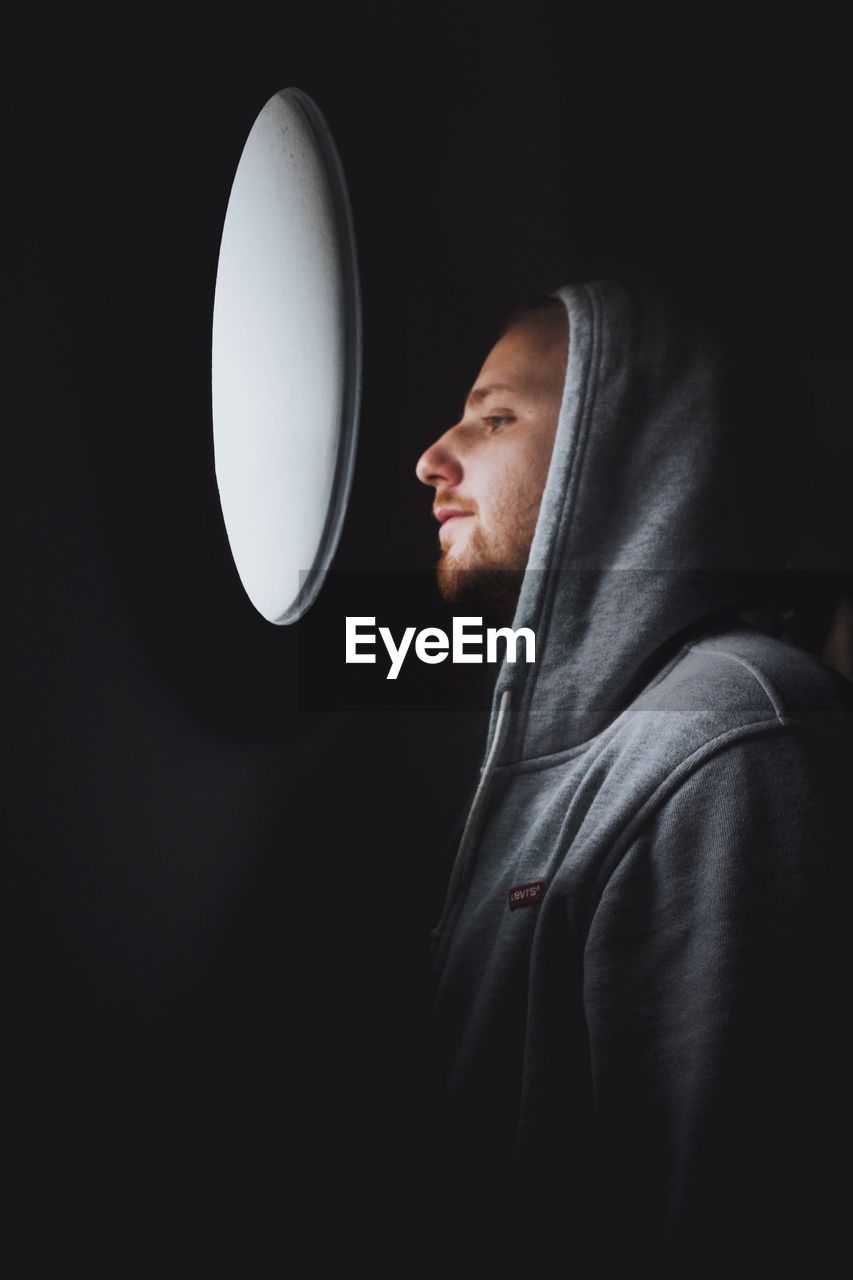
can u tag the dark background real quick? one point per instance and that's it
(215, 906)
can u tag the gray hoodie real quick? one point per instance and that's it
(636, 968)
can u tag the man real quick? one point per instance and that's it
(637, 966)
(498, 455)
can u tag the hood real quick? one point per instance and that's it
(667, 501)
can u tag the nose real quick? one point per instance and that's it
(439, 464)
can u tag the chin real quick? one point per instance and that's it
(487, 592)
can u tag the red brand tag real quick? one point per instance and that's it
(526, 895)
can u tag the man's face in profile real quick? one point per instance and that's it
(489, 468)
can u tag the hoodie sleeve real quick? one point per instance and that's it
(712, 993)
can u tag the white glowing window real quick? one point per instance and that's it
(286, 362)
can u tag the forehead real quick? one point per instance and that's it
(529, 360)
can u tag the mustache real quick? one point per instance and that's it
(448, 500)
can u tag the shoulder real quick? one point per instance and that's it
(738, 712)
(756, 742)
(797, 685)
(742, 679)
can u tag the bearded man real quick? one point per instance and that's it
(637, 965)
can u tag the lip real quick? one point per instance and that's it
(449, 513)
(450, 521)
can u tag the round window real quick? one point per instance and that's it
(286, 360)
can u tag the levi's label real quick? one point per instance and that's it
(526, 895)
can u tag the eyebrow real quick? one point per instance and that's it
(479, 394)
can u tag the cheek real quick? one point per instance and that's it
(535, 466)
(516, 487)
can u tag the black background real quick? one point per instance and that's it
(215, 907)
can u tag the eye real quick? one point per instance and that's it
(497, 420)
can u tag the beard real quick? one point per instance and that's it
(484, 590)
(484, 577)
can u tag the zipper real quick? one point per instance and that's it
(464, 854)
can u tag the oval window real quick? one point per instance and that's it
(286, 358)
